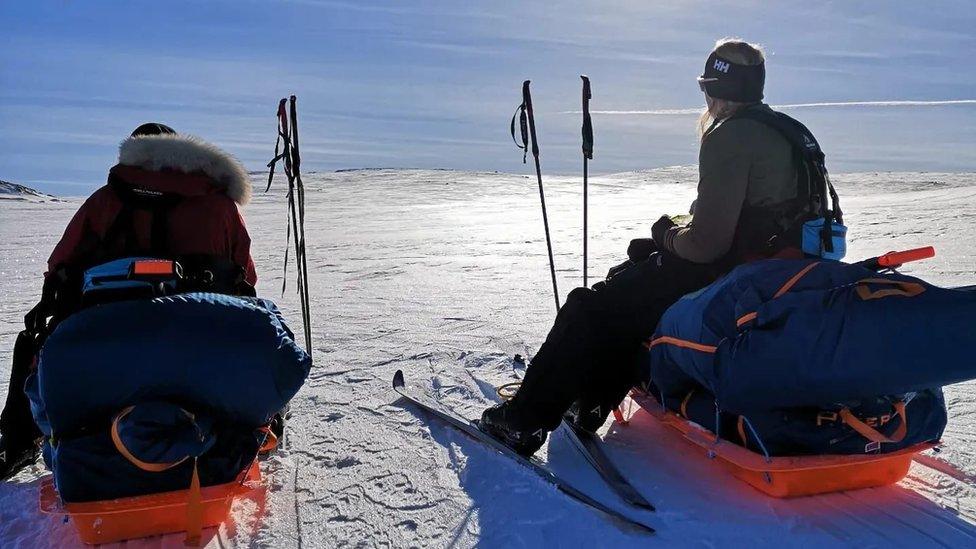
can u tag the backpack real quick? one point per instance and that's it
(813, 221)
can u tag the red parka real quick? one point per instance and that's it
(207, 184)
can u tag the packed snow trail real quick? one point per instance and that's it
(445, 275)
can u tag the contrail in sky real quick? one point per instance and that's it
(800, 106)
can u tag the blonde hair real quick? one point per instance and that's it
(739, 52)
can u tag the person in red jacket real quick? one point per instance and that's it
(199, 188)
(170, 195)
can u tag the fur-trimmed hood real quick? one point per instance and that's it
(188, 154)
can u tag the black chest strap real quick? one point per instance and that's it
(121, 238)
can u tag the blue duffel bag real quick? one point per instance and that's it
(231, 357)
(148, 448)
(792, 333)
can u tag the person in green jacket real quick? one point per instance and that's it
(748, 206)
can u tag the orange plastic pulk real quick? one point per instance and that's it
(893, 259)
(136, 517)
(154, 267)
(789, 476)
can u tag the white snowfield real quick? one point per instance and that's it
(444, 275)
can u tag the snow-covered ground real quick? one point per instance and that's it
(444, 275)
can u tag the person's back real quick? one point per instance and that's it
(170, 196)
(747, 173)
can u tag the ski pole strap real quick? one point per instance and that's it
(524, 127)
(283, 140)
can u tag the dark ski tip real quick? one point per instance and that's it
(398, 382)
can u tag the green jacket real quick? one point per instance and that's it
(743, 165)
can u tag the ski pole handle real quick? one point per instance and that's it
(587, 122)
(527, 101)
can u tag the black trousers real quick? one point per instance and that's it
(594, 351)
(16, 420)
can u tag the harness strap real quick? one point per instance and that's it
(157, 234)
(123, 230)
(811, 170)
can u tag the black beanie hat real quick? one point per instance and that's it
(153, 128)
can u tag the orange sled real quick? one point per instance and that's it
(788, 477)
(120, 519)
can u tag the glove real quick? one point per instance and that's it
(617, 269)
(640, 249)
(660, 229)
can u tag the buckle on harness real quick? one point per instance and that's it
(155, 269)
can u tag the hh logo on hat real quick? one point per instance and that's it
(721, 66)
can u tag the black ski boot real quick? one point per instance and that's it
(587, 416)
(502, 421)
(15, 456)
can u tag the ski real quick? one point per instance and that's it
(592, 448)
(472, 430)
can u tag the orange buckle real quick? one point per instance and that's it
(154, 267)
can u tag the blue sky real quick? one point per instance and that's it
(433, 84)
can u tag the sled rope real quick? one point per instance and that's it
(507, 391)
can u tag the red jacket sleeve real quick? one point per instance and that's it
(240, 243)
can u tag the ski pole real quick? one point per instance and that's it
(300, 256)
(290, 157)
(587, 156)
(527, 125)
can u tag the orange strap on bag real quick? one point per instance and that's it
(194, 510)
(120, 446)
(194, 504)
(872, 434)
(684, 404)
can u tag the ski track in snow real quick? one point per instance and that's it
(444, 275)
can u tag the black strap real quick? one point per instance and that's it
(121, 237)
(524, 127)
(157, 234)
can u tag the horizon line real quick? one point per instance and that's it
(698, 110)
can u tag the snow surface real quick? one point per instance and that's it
(444, 275)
